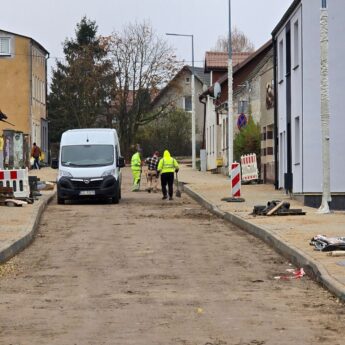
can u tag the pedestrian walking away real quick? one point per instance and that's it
(167, 166)
(35, 153)
(136, 170)
(152, 173)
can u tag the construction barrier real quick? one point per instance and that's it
(235, 180)
(18, 180)
(249, 167)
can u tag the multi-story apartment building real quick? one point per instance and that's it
(23, 86)
(298, 108)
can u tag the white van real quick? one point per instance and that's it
(89, 165)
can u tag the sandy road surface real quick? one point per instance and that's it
(151, 272)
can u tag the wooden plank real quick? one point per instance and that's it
(275, 208)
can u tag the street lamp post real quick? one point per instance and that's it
(193, 100)
(325, 113)
(230, 106)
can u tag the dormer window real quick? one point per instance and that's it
(5, 47)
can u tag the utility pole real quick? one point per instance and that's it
(193, 110)
(230, 117)
(325, 113)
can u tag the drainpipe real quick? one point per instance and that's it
(30, 127)
(325, 111)
(201, 97)
(46, 100)
(276, 136)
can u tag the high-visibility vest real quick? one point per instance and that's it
(167, 165)
(136, 161)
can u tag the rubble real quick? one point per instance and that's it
(276, 208)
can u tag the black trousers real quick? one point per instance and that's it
(167, 178)
(37, 163)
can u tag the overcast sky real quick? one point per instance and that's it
(51, 21)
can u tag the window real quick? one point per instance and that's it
(188, 103)
(34, 87)
(224, 134)
(187, 80)
(269, 134)
(5, 46)
(296, 44)
(227, 133)
(213, 143)
(269, 151)
(281, 61)
(288, 51)
(297, 141)
(43, 93)
(263, 134)
(242, 107)
(87, 155)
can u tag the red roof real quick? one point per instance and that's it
(219, 60)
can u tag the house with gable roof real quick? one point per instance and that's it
(252, 95)
(178, 93)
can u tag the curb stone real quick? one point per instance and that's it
(29, 233)
(313, 268)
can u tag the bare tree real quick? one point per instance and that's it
(143, 63)
(240, 42)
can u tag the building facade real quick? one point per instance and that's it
(178, 93)
(298, 115)
(252, 82)
(23, 87)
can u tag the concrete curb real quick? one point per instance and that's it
(294, 255)
(29, 232)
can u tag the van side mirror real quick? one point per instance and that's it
(121, 162)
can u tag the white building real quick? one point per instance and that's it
(297, 114)
(251, 75)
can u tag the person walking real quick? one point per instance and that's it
(152, 165)
(136, 170)
(35, 153)
(166, 167)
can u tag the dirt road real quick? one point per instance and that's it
(149, 271)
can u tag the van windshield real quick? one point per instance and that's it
(87, 155)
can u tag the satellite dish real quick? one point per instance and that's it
(216, 90)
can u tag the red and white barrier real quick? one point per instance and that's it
(235, 180)
(17, 179)
(249, 167)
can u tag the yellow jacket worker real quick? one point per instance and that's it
(136, 170)
(166, 167)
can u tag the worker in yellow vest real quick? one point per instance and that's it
(167, 166)
(136, 170)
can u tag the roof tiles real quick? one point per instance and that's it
(219, 60)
